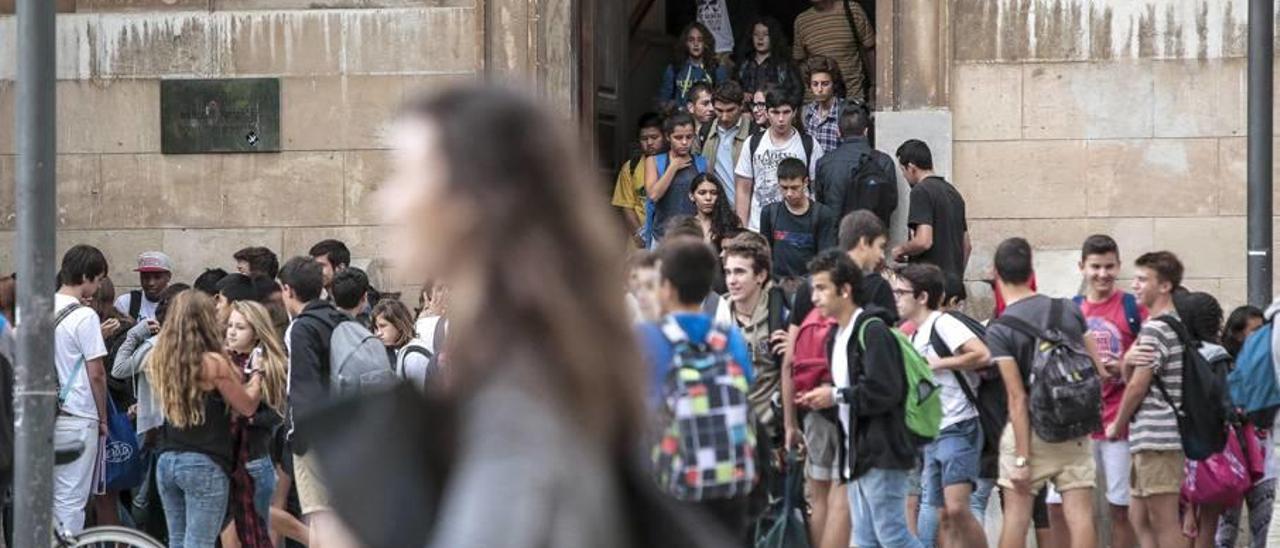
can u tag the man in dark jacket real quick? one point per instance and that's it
(877, 191)
(302, 279)
(870, 389)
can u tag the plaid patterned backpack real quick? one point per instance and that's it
(707, 444)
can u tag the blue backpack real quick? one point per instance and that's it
(1131, 313)
(1253, 382)
(699, 163)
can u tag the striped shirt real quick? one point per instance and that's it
(828, 33)
(1155, 426)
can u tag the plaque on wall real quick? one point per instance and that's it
(227, 115)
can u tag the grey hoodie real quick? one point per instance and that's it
(129, 365)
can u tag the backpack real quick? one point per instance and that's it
(662, 161)
(1131, 313)
(707, 446)
(923, 402)
(135, 304)
(989, 396)
(419, 347)
(358, 361)
(1252, 383)
(1203, 432)
(868, 176)
(1065, 389)
(810, 367)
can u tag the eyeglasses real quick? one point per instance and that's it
(759, 105)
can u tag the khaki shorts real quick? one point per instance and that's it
(312, 496)
(1069, 464)
(822, 440)
(1156, 473)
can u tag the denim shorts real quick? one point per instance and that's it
(952, 458)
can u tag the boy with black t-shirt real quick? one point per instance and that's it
(936, 217)
(797, 227)
(1028, 462)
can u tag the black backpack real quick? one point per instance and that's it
(1065, 389)
(1204, 391)
(870, 188)
(989, 397)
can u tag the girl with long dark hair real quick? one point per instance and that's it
(766, 59)
(695, 61)
(714, 214)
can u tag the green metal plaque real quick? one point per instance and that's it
(230, 115)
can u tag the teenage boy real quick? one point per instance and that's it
(82, 381)
(870, 389)
(257, 261)
(1154, 441)
(855, 176)
(333, 257)
(701, 108)
(1114, 318)
(757, 169)
(302, 280)
(628, 191)
(351, 294)
(1027, 462)
(154, 272)
(668, 177)
(232, 288)
(748, 305)
(687, 267)
(821, 117)
(797, 227)
(936, 218)
(952, 460)
(724, 143)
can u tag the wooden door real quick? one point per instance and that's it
(604, 59)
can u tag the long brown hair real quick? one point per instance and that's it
(398, 315)
(541, 264)
(274, 361)
(190, 331)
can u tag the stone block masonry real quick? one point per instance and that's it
(344, 66)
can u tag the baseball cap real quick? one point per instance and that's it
(154, 261)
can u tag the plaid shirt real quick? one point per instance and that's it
(824, 130)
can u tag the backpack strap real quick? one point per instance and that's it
(857, 42)
(1079, 300)
(673, 332)
(753, 146)
(662, 160)
(1131, 313)
(1020, 325)
(806, 141)
(64, 312)
(1187, 344)
(135, 304)
(700, 163)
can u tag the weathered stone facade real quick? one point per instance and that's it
(343, 65)
(1122, 116)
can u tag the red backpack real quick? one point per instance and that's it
(811, 368)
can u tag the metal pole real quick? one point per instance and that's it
(1261, 88)
(35, 402)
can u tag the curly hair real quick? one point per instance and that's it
(822, 63)
(274, 361)
(724, 222)
(709, 60)
(174, 366)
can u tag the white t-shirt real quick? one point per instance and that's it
(840, 368)
(955, 406)
(79, 335)
(764, 170)
(425, 329)
(715, 16)
(148, 310)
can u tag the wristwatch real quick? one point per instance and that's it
(1020, 462)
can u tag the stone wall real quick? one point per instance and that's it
(343, 66)
(1121, 116)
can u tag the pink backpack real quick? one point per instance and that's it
(1224, 477)
(811, 368)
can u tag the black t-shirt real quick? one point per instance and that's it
(874, 290)
(797, 239)
(936, 203)
(1006, 342)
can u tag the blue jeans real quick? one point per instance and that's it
(194, 490)
(980, 497)
(263, 472)
(878, 502)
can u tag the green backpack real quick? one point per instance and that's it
(924, 400)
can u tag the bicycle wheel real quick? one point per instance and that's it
(111, 536)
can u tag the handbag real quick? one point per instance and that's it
(783, 524)
(1254, 441)
(125, 467)
(1221, 479)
